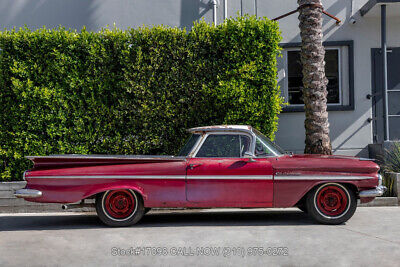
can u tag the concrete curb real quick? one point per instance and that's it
(381, 202)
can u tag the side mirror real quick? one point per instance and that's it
(250, 156)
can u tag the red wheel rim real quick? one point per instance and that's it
(120, 204)
(332, 200)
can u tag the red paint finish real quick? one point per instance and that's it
(216, 191)
(156, 192)
(63, 161)
(289, 191)
(322, 163)
(162, 181)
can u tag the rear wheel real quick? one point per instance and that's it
(331, 203)
(121, 207)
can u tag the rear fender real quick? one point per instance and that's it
(102, 189)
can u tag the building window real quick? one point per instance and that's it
(295, 76)
(338, 70)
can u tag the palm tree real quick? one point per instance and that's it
(314, 79)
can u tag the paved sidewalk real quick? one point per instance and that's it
(204, 238)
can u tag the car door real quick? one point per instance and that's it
(218, 175)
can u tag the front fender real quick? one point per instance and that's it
(289, 193)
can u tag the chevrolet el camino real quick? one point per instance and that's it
(219, 166)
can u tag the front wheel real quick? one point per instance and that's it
(118, 208)
(331, 203)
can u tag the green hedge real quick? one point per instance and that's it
(134, 91)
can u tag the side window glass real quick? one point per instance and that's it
(261, 149)
(220, 146)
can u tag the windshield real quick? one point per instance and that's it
(187, 148)
(264, 146)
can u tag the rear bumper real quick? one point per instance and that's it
(378, 191)
(27, 193)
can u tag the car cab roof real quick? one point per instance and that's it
(222, 128)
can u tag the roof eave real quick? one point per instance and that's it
(371, 3)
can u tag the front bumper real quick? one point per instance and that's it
(27, 193)
(378, 191)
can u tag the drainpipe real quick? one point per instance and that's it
(214, 4)
(384, 70)
(225, 9)
(255, 8)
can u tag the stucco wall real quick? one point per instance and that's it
(350, 131)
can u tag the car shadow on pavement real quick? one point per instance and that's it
(157, 219)
(226, 218)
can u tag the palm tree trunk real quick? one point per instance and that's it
(314, 80)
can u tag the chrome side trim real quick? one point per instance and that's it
(320, 177)
(27, 193)
(110, 177)
(206, 135)
(201, 177)
(366, 159)
(378, 191)
(230, 177)
(110, 157)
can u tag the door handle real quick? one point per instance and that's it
(192, 166)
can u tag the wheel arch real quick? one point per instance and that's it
(349, 184)
(100, 190)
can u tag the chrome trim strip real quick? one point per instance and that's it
(110, 157)
(366, 159)
(321, 177)
(203, 177)
(27, 193)
(230, 177)
(191, 177)
(207, 134)
(109, 177)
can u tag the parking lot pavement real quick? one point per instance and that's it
(203, 238)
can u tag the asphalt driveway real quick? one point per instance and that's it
(204, 238)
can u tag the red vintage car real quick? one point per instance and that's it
(219, 166)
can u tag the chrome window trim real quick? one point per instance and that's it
(272, 150)
(196, 145)
(205, 135)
